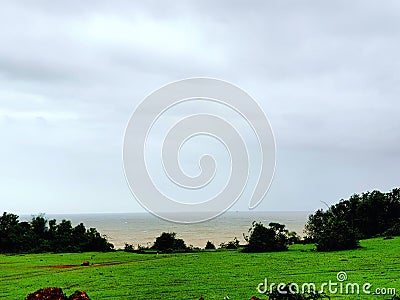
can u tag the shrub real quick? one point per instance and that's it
(230, 245)
(167, 242)
(209, 246)
(129, 248)
(336, 235)
(267, 239)
(331, 233)
(393, 231)
(294, 238)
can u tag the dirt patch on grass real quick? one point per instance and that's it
(61, 266)
(80, 266)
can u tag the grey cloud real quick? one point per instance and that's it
(326, 73)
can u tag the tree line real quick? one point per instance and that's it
(42, 235)
(340, 227)
(364, 216)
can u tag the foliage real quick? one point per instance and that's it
(393, 231)
(230, 245)
(41, 235)
(129, 248)
(209, 246)
(294, 238)
(267, 239)
(167, 243)
(361, 216)
(331, 233)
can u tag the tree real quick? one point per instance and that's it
(96, 242)
(231, 244)
(336, 235)
(129, 248)
(63, 237)
(209, 246)
(38, 241)
(10, 233)
(35, 236)
(293, 237)
(367, 215)
(267, 239)
(394, 231)
(167, 242)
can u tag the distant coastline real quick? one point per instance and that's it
(142, 227)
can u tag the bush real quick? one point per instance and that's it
(294, 238)
(267, 239)
(167, 243)
(230, 245)
(129, 248)
(394, 231)
(331, 233)
(209, 246)
(337, 235)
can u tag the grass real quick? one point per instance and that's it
(213, 275)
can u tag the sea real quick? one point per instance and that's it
(143, 228)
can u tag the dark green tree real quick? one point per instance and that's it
(267, 239)
(36, 236)
(367, 215)
(209, 246)
(231, 245)
(167, 242)
(10, 233)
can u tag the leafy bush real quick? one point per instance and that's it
(230, 245)
(394, 231)
(167, 243)
(209, 246)
(331, 234)
(294, 238)
(267, 239)
(129, 248)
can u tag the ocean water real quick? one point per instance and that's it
(143, 228)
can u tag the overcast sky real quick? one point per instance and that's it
(326, 73)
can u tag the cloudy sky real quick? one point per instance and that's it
(327, 75)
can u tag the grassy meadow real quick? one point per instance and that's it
(211, 274)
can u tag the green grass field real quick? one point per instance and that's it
(213, 275)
